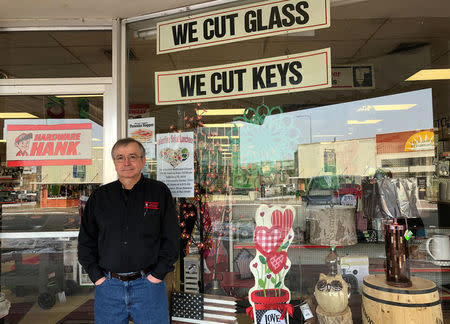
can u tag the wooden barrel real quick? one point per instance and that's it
(382, 303)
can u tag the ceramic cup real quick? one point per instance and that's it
(440, 247)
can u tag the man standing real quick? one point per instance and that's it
(128, 241)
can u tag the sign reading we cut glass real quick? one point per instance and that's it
(261, 19)
(270, 76)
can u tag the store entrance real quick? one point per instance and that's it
(51, 159)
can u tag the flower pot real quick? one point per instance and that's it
(271, 305)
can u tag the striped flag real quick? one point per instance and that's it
(203, 309)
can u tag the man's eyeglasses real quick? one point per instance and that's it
(130, 158)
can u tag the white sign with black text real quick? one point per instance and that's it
(270, 76)
(175, 162)
(261, 19)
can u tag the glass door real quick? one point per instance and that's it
(51, 158)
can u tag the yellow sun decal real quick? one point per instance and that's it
(420, 141)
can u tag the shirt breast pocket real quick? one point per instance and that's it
(151, 222)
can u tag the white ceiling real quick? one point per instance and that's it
(46, 11)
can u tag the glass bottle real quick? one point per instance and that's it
(332, 261)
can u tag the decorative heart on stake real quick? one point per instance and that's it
(276, 261)
(283, 220)
(268, 239)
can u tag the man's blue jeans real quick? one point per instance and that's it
(141, 299)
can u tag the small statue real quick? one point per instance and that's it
(332, 293)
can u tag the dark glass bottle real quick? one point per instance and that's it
(397, 262)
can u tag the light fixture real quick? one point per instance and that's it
(220, 112)
(230, 125)
(363, 122)
(12, 115)
(430, 74)
(79, 95)
(222, 137)
(386, 107)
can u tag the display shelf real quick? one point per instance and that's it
(425, 266)
(293, 246)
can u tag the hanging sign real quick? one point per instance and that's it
(270, 76)
(353, 77)
(175, 162)
(261, 19)
(62, 144)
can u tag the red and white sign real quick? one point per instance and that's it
(63, 144)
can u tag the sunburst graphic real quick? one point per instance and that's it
(420, 141)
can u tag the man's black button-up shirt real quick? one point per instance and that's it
(129, 231)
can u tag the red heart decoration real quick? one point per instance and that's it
(283, 220)
(276, 261)
(268, 239)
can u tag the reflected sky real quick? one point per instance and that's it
(278, 138)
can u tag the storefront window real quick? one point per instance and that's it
(51, 160)
(343, 160)
(55, 54)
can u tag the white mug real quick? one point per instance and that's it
(440, 249)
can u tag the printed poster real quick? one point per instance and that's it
(143, 130)
(175, 162)
(37, 145)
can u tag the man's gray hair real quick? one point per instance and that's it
(125, 142)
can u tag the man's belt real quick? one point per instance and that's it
(129, 277)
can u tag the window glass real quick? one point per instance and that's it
(372, 147)
(51, 160)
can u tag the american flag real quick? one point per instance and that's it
(202, 309)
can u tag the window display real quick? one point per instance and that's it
(347, 159)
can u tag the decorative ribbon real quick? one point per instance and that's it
(281, 307)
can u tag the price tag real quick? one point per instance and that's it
(306, 311)
(408, 235)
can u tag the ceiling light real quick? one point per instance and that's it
(430, 74)
(220, 112)
(222, 137)
(79, 95)
(224, 125)
(336, 3)
(12, 115)
(327, 135)
(393, 107)
(363, 122)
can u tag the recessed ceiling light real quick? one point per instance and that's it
(430, 74)
(79, 95)
(220, 112)
(13, 115)
(229, 125)
(363, 122)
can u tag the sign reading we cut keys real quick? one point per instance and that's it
(270, 76)
(262, 19)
